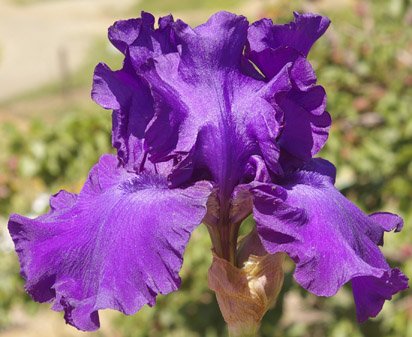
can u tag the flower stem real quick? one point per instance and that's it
(243, 330)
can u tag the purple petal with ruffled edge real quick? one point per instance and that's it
(116, 245)
(299, 35)
(307, 123)
(225, 102)
(125, 91)
(201, 104)
(139, 41)
(271, 47)
(218, 116)
(330, 239)
(132, 104)
(370, 293)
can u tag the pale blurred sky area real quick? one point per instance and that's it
(43, 40)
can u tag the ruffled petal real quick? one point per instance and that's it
(388, 222)
(192, 95)
(299, 35)
(129, 97)
(330, 239)
(116, 245)
(125, 91)
(139, 40)
(210, 116)
(270, 48)
(370, 293)
(306, 121)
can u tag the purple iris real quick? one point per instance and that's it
(211, 124)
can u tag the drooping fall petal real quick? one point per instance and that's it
(331, 240)
(116, 245)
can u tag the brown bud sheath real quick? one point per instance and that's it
(245, 294)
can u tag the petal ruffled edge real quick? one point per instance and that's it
(331, 240)
(116, 245)
(299, 34)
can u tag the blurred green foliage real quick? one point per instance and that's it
(42, 158)
(365, 64)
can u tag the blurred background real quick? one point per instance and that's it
(51, 133)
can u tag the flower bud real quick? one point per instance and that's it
(245, 294)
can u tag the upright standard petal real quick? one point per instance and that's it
(116, 245)
(192, 95)
(129, 97)
(306, 121)
(125, 91)
(299, 35)
(209, 116)
(137, 39)
(270, 48)
(330, 239)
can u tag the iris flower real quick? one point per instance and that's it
(211, 124)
